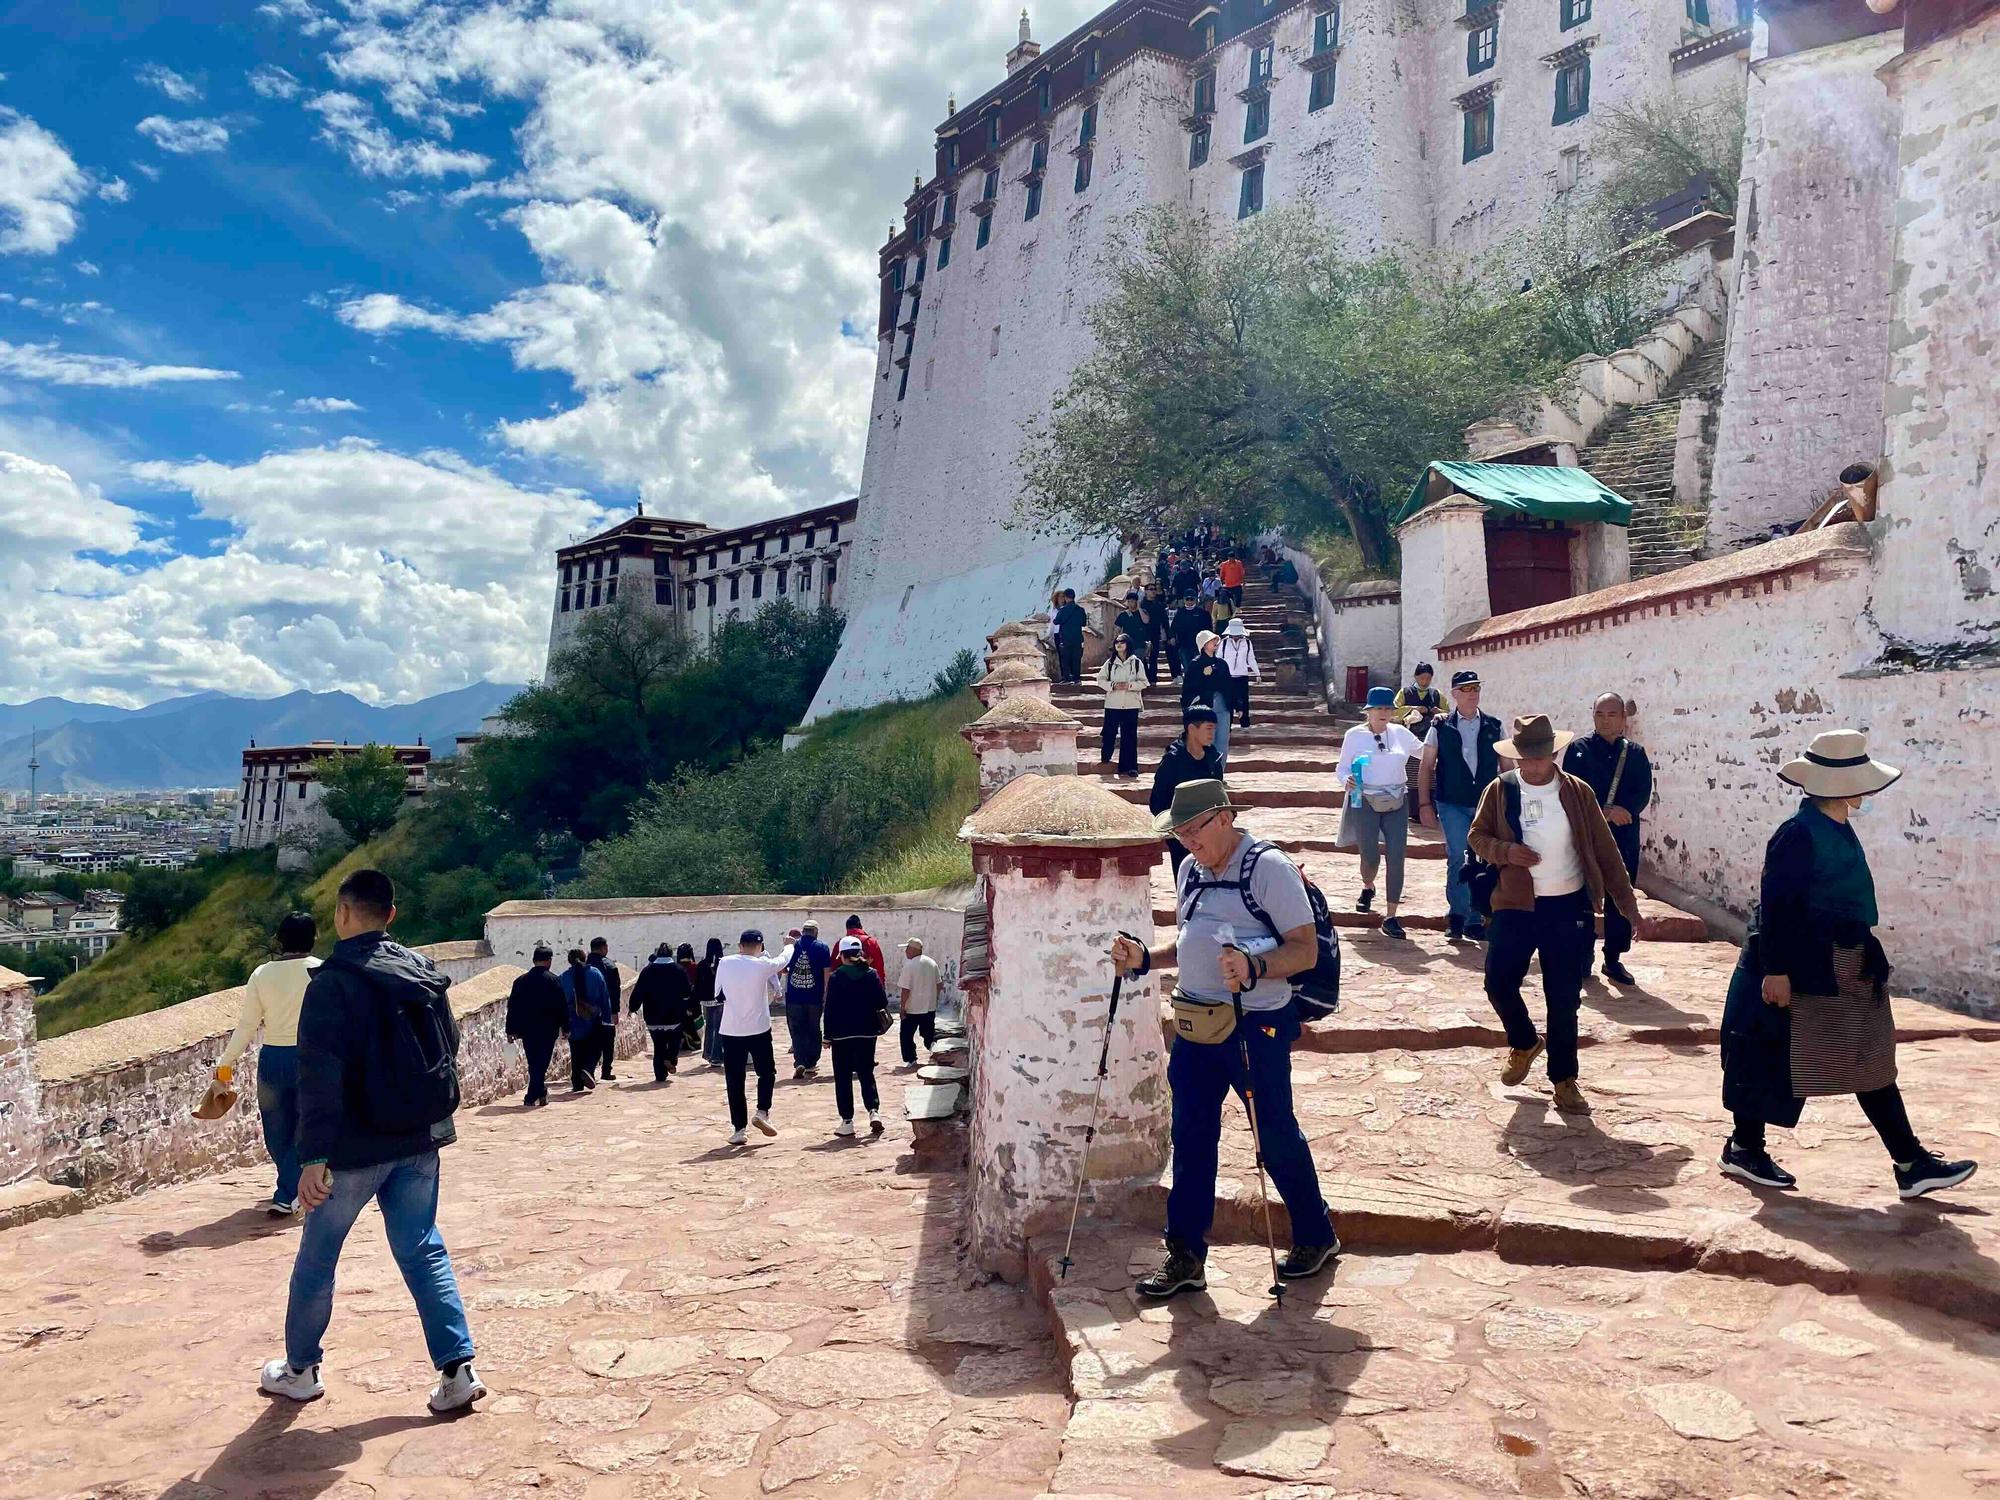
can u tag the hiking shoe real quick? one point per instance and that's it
(845, 1127)
(1475, 932)
(1180, 1272)
(1454, 930)
(456, 1392)
(1617, 973)
(1931, 1173)
(1569, 1098)
(280, 1379)
(737, 1137)
(1307, 1260)
(282, 1208)
(763, 1122)
(797, 1074)
(1365, 900)
(1519, 1060)
(874, 1122)
(1391, 928)
(1755, 1166)
(811, 1074)
(609, 1076)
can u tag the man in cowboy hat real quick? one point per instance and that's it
(1217, 932)
(1621, 777)
(1559, 866)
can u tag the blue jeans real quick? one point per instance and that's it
(278, 1113)
(1456, 823)
(1220, 703)
(802, 1020)
(1201, 1077)
(407, 1190)
(711, 1034)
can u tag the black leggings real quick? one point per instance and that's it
(1885, 1111)
(854, 1061)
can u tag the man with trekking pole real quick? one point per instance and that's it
(1247, 928)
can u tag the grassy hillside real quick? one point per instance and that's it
(926, 854)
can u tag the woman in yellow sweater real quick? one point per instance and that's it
(271, 1001)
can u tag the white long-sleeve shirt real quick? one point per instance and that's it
(1388, 761)
(271, 1000)
(1239, 654)
(743, 981)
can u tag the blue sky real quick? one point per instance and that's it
(322, 324)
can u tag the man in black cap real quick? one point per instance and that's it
(1070, 621)
(1192, 757)
(1622, 777)
(1459, 763)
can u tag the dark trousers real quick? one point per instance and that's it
(1069, 660)
(802, 1020)
(1173, 660)
(607, 1047)
(1885, 1111)
(1563, 932)
(1239, 699)
(1618, 931)
(582, 1058)
(854, 1060)
(1121, 726)
(739, 1055)
(1201, 1077)
(539, 1050)
(914, 1026)
(666, 1052)
(1152, 658)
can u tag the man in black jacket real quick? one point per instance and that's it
(1131, 623)
(1192, 757)
(378, 1081)
(607, 1031)
(1153, 609)
(536, 1016)
(1070, 622)
(1190, 620)
(665, 993)
(1622, 777)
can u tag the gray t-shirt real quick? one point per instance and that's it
(1279, 889)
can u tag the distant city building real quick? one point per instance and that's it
(281, 794)
(46, 919)
(701, 576)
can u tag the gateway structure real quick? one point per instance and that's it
(1418, 123)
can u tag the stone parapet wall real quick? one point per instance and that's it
(20, 1130)
(1360, 625)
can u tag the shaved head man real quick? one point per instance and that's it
(1621, 775)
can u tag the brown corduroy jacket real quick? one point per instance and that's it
(1597, 852)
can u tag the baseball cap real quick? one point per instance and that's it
(849, 946)
(751, 935)
(1466, 678)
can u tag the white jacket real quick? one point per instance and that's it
(1239, 654)
(1123, 682)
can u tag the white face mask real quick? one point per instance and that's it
(1859, 805)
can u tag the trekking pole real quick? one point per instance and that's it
(1090, 1133)
(1257, 1146)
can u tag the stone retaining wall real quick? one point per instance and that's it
(20, 1134)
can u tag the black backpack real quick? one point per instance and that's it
(1317, 990)
(408, 1062)
(1479, 877)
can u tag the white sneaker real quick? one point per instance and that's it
(280, 1379)
(455, 1392)
(845, 1127)
(874, 1122)
(737, 1137)
(763, 1122)
(282, 1208)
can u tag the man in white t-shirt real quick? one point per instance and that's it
(1559, 866)
(919, 985)
(743, 983)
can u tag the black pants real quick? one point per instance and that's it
(1561, 930)
(1618, 931)
(913, 1026)
(1173, 660)
(666, 1052)
(1239, 699)
(1121, 726)
(582, 1058)
(539, 1050)
(1069, 660)
(607, 1047)
(854, 1058)
(1152, 658)
(1885, 1111)
(739, 1054)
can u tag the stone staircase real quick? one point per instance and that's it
(1634, 455)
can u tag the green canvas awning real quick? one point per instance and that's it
(1557, 494)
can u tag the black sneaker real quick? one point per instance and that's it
(1755, 1166)
(1391, 928)
(1307, 1260)
(1454, 929)
(1475, 932)
(1365, 900)
(797, 1074)
(1931, 1173)
(1181, 1272)
(1617, 973)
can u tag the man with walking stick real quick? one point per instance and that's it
(1246, 926)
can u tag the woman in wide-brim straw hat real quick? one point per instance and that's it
(1808, 1013)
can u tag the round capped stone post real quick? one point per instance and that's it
(1067, 864)
(1011, 678)
(1023, 734)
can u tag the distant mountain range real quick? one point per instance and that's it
(199, 740)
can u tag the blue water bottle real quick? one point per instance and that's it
(1360, 776)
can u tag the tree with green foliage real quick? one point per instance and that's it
(362, 791)
(49, 962)
(1656, 149)
(160, 898)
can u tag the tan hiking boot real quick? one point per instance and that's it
(1569, 1098)
(1519, 1060)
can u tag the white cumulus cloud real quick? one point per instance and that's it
(184, 137)
(349, 124)
(273, 82)
(176, 86)
(40, 186)
(325, 404)
(53, 365)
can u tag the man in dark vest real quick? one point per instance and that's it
(1459, 762)
(1621, 775)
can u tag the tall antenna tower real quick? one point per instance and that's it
(34, 765)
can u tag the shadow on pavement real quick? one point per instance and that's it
(236, 1228)
(267, 1457)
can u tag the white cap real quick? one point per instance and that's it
(849, 945)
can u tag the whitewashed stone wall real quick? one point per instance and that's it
(20, 1094)
(1802, 388)
(1444, 575)
(1735, 679)
(1940, 499)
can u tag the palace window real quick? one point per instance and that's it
(951, 156)
(1574, 13)
(687, 594)
(1204, 93)
(1038, 159)
(805, 577)
(1569, 167)
(596, 592)
(781, 579)
(736, 554)
(1322, 90)
(834, 535)
(1482, 44)
(1478, 130)
(1326, 30)
(597, 568)
(831, 574)
(1572, 90)
(610, 591)
(1198, 147)
(1697, 11)
(1250, 196)
(565, 575)
(896, 275)
(663, 592)
(1044, 97)
(735, 586)
(711, 593)
(1083, 172)
(1093, 64)
(944, 252)
(1086, 131)
(985, 232)
(1260, 63)
(711, 560)
(1257, 120)
(993, 129)
(990, 188)
(784, 543)
(1205, 37)
(756, 583)
(562, 600)
(1034, 199)
(760, 546)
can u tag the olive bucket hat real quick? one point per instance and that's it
(1192, 799)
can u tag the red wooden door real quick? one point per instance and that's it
(1526, 565)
